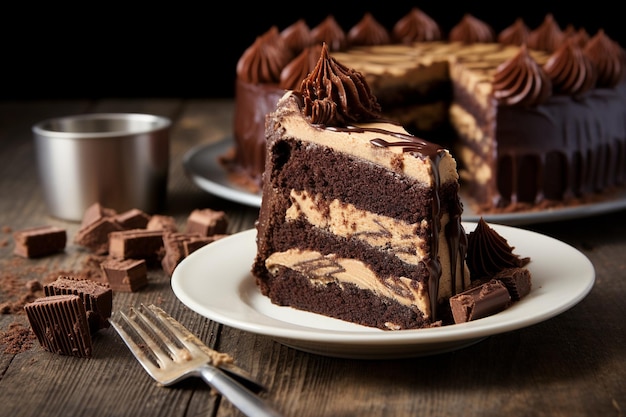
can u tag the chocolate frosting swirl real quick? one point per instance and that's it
(489, 253)
(335, 95)
(547, 37)
(263, 61)
(579, 36)
(330, 33)
(521, 81)
(415, 26)
(297, 36)
(605, 55)
(299, 68)
(368, 32)
(471, 30)
(570, 71)
(516, 34)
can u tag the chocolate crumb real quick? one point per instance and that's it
(16, 339)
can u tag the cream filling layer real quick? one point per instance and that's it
(345, 220)
(324, 269)
(358, 143)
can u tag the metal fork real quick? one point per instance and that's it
(170, 353)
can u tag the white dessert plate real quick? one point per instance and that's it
(215, 281)
(202, 166)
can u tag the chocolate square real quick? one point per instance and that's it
(207, 222)
(60, 324)
(40, 241)
(128, 275)
(97, 298)
(482, 301)
(136, 244)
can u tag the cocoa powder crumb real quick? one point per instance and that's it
(17, 338)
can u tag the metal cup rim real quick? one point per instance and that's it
(153, 123)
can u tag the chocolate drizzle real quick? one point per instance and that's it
(455, 233)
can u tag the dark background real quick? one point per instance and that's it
(184, 49)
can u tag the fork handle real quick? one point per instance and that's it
(242, 398)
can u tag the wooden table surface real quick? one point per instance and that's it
(570, 365)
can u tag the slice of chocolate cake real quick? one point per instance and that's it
(359, 219)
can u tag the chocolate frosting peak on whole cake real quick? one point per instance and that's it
(297, 36)
(368, 31)
(489, 253)
(521, 81)
(580, 36)
(471, 30)
(570, 70)
(606, 58)
(516, 34)
(299, 68)
(336, 95)
(547, 37)
(263, 61)
(330, 33)
(416, 26)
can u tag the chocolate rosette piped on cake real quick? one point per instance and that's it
(521, 81)
(515, 34)
(336, 95)
(570, 71)
(488, 253)
(547, 37)
(416, 26)
(263, 61)
(330, 33)
(604, 53)
(368, 31)
(471, 30)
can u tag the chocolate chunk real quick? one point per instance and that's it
(97, 298)
(126, 275)
(174, 250)
(132, 219)
(40, 241)
(516, 280)
(482, 301)
(95, 235)
(196, 243)
(60, 324)
(136, 244)
(96, 212)
(161, 222)
(207, 222)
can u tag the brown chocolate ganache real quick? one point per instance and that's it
(489, 253)
(332, 96)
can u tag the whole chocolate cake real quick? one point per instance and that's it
(534, 117)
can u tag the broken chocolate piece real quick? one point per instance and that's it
(207, 222)
(196, 243)
(97, 298)
(136, 244)
(516, 280)
(127, 275)
(482, 301)
(162, 222)
(60, 324)
(40, 241)
(132, 219)
(95, 212)
(95, 236)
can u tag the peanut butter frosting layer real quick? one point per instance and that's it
(323, 269)
(357, 140)
(346, 220)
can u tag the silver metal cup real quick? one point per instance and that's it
(120, 160)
